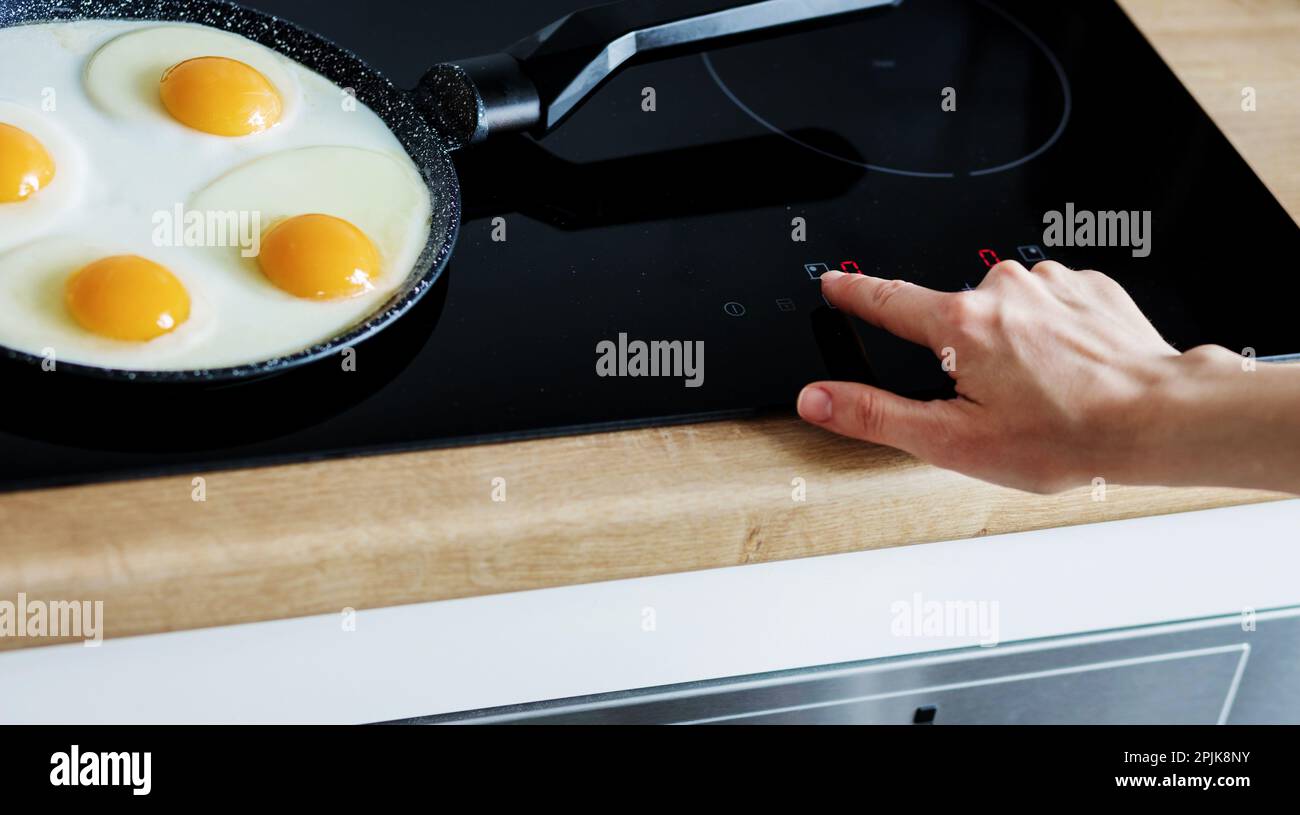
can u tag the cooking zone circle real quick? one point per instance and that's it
(894, 72)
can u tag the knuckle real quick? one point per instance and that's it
(1007, 269)
(1202, 351)
(961, 311)
(869, 414)
(882, 294)
(1205, 356)
(850, 286)
(1050, 268)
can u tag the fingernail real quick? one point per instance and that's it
(827, 277)
(815, 404)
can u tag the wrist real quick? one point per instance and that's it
(1205, 425)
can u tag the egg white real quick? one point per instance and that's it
(21, 221)
(384, 198)
(123, 76)
(33, 280)
(138, 166)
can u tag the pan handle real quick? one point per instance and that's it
(539, 81)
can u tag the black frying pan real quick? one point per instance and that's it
(532, 87)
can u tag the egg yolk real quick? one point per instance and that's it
(25, 167)
(126, 297)
(221, 96)
(319, 257)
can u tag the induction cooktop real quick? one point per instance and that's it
(924, 143)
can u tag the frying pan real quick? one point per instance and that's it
(531, 88)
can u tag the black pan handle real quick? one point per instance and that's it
(536, 83)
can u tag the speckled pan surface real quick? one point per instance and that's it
(395, 106)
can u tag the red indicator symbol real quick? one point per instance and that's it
(990, 258)
(850, 266)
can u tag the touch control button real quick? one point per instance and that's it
(1032, 253)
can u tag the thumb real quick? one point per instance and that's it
(874, 415)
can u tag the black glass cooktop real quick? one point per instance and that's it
(679, 224)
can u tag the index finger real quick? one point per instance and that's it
(901, 308)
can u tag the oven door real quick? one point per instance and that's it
(1227, 669)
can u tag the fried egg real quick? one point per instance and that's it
(25, 165)
(333, 201)
(42, 172)
(206, 80)
(156, 133)
(90, 304)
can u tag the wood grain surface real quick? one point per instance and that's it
(367, 532)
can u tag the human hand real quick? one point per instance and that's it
(1060, 379)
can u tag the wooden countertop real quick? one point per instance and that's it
(320, 537)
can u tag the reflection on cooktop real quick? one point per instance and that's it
(518, 175)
